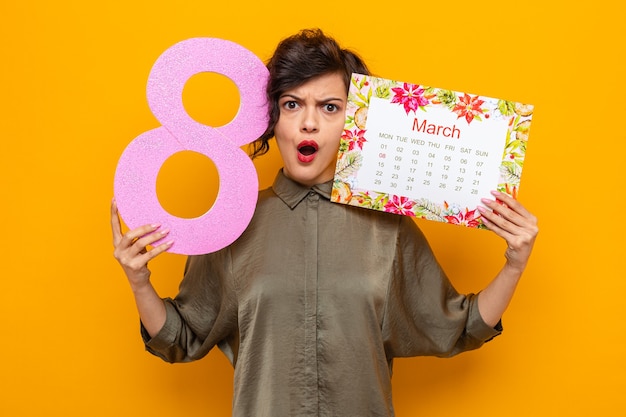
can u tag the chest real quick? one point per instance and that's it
(320, 259)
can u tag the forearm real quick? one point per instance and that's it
(508, 219)
(150, 307)
(495, 298)
(130, 251)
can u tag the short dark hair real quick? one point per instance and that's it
(298, 59)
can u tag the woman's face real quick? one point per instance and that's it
(309, 128)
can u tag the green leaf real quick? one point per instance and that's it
(349, 164)
(380, 201)
(447, 97)
(511, 172)
(507, 108)
(362, 97)
(428, 210)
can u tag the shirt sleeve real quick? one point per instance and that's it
(425, 315)
(202, 315)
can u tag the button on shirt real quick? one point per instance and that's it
(312, 303)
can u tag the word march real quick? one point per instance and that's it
(432, 129)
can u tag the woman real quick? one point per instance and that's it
(315, 300)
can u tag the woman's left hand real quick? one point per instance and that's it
(510, 220)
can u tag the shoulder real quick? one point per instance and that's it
(268, 200)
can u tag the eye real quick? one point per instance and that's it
(290, 105)
(331, 108)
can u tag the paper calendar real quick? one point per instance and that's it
(427, 152)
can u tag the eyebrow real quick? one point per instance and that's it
(325, 100)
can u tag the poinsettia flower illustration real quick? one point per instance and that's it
(469, 218)
(469, 107)
(400, 205)
(411, 96)
(354, 139)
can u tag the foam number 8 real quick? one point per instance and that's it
(139, 165)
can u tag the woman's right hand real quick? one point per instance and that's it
(131, 249)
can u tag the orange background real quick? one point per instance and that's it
(73, 79)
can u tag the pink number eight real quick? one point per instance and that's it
(139, 165)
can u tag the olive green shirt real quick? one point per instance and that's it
(312, 303)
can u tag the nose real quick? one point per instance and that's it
(310, 123)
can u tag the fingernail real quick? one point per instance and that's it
(164, 232)
(155, 225)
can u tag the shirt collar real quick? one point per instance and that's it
(292, 193)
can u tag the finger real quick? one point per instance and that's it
(130, 237)
(144, 241)
(496, 213)
(504, 222)
(136, 255)
(517, 230)
(116, 226)
(512, 204)
(508, 209)
(157, 250)
(135, 241)
(142, 259)
(495, 223)
(504, 216)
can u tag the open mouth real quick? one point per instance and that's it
(307, 150)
